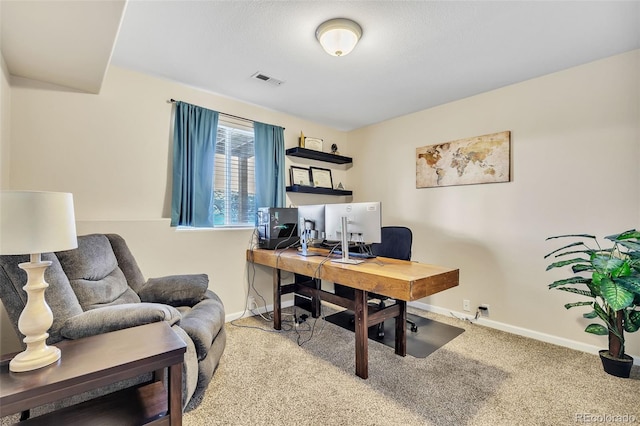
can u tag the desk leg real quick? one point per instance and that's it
(175, 395)
(362, 334)
(315, 300)
(401, 329)
(277, 308)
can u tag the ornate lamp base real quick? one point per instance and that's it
(35, 320)
(31, 360)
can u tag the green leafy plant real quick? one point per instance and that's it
(610, 277)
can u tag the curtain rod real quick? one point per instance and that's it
(173, 101)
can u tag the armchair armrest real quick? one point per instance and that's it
(175, 290)
(117, 317)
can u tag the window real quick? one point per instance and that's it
(233, 177)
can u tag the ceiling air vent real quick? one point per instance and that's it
(263, 77)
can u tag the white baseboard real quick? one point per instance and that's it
(543, 337)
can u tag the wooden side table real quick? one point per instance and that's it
(97, 361)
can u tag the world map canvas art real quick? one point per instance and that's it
(481, 159)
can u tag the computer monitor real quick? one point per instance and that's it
(311, 219)
(363, 222)
(310, 227)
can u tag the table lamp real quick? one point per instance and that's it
(33, 223)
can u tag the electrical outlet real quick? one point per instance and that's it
(484, 310)
(466, 305)
(251, 302)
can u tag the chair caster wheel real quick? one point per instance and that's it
(414, 328)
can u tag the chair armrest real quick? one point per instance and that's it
(117, 317)
(175, 290)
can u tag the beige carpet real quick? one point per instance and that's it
(482, 377)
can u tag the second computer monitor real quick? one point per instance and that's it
(311, 218)
(364, 221)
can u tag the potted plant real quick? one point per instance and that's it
(610, 278)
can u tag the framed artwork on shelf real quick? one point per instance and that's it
(300, 176)
(321, 178)
(314, 144)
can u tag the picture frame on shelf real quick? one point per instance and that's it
(314, 144)
(321, 178)
(300, 176)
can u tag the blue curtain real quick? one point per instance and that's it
(269, 167)
(194, 142)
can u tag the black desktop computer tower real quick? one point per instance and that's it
(277, 227)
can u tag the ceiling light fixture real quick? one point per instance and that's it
(338, 36)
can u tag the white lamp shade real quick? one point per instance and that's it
(36, 222)
(338, 36)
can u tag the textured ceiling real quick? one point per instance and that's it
(413, 54)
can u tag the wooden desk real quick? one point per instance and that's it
(401, 280)
(100, 360)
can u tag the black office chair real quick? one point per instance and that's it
(395, 243)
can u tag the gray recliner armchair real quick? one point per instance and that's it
(98, 288)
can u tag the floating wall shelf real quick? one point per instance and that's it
(314, 190)
(318, 155)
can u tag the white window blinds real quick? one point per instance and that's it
(233, 178)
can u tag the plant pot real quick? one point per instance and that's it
(616, 366)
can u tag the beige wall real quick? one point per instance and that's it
(575, 143)
(112, 152)
(5, 123)
(575, 155)
(8, 343)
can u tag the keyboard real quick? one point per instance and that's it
(357, 255)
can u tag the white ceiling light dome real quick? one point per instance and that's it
(338, 36)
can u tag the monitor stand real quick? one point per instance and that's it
(345, 247)
(304, 238)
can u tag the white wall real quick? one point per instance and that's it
(575, 154)
(112, 151)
